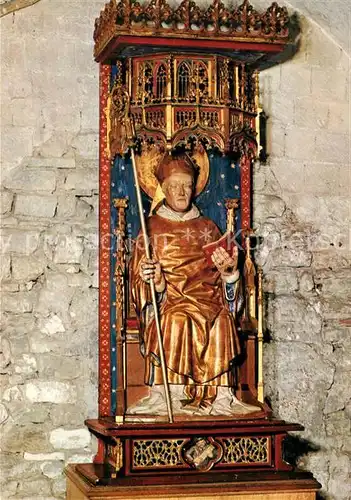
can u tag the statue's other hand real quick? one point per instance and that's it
(151, 269)
(226, 264)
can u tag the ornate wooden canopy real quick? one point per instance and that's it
(129, 23)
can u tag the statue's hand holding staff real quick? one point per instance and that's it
(151, 269)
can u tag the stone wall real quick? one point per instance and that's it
(49, 244)
(302, 210)
(49, 95)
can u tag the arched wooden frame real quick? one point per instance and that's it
(160, 81)
(183, 83)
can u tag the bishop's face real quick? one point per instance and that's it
(178, 190)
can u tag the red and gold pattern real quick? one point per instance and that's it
(104, 252)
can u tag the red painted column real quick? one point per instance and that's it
(104, 251)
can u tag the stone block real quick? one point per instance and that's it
(338, 117)
(5, 267)
(300, 143)
(12, 394)
(79, 280)
(52, 469)
(339, 482)
(259, 177)
(26, 112)
(66, 206)
(66, 117)
(59, 487)
(282, 282)
(289, 174)
(37, 487)
(84, 209)
(52, 325)
(295, 82)
(5, 350)
(281, 112)
(306, 281)
(297, 319)
(334, 283)
(50, 162)
(332, 148)
(326, 84)
(67, 415)
(334, 331)
(11, 84)
(39, 342)
(339, 393)
(336, 307)
(9, 489)
(9, 221)
(25, 364)
(270, 82)
(44, 457)
(83, 182)
(17, 329)
(318, 462)
(68, 250)
(50, 392)
(310, 113)
(289, 257)
(17, 303)
(22, 179)
(321, 178)
(70, 439)
(19, 439)
(89, 118)
(10, 287)
(3, 414)
(35, 205)
(57, 367)
(6, 201)
(338, 423)
(28, 415)
(80, 458)
(58, 147)
(84, 306)
(28, 268)
(331, 54)
(326, 215)
(16, 143)
(304, 399)
(276, 133)
(87, 145)
(266, 206)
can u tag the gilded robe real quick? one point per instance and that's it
(198, 330)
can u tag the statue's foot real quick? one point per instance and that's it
(228, 405)
(155, 402)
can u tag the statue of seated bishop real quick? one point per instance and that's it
(198, 303)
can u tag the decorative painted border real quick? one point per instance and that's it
(104, 251)
(245, 192)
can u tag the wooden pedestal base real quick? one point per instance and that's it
(269, 486)
(221, 459)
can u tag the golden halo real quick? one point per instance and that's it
(149, 161)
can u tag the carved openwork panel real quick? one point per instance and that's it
(190, 94)
(245, 450)
(157, 453)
